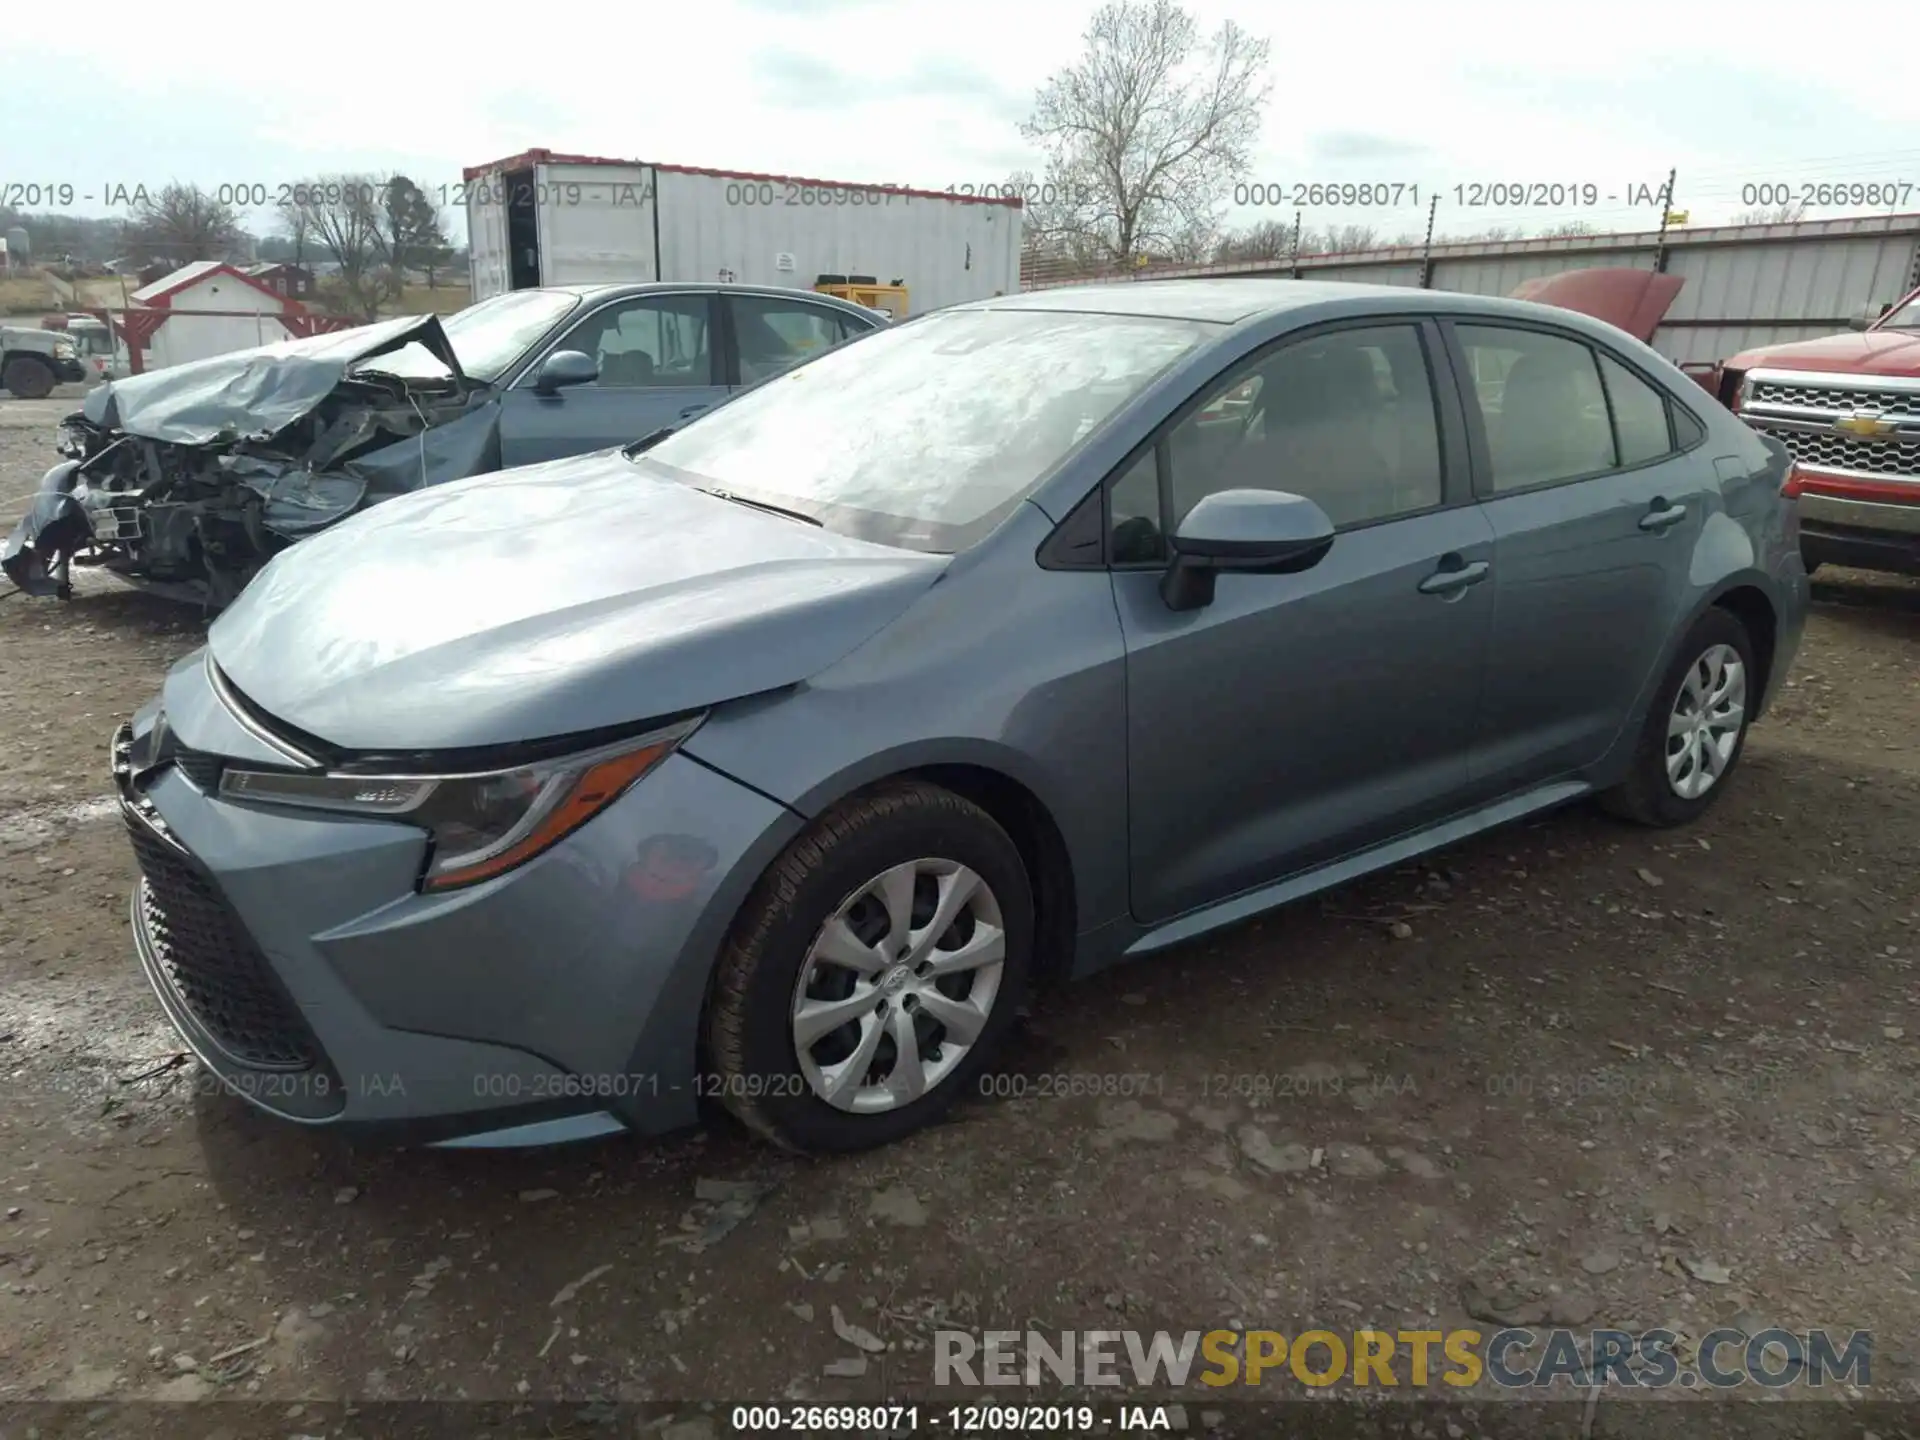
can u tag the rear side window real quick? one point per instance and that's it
(1639, 414)
(1542, 402)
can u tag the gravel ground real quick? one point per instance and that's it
(1642, 1077)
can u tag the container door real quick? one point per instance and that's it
(596, 224)
(487, 236)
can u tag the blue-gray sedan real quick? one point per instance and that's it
(770, 762)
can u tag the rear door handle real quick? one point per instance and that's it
(1662, 516)
(1452, 582)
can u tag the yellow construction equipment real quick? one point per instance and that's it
(866, 290)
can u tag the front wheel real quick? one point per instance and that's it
(872, 971)
(1695, 729)
(27, 378)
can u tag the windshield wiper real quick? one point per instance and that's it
(762, 505)
(647, 441)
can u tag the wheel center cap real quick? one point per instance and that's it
(896, 979)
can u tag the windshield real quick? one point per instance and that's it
(1904, 317)
(487, 337)
(927, 435)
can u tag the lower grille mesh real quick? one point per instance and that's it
(212, 964)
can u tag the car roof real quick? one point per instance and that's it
(607, 291)
(1232, 301)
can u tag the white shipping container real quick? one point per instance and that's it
(545, 219)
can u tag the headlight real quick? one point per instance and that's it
(63, 351)
(482, 825)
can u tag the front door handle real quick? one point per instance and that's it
(1452, 582)
(1662, 516)
(691, 411)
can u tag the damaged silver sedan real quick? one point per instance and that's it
(189, 479)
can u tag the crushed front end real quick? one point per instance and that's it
(189, 480)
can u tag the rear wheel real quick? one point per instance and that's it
(28, 377)
(1695, 729)
(872, 972)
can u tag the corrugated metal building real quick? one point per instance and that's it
(1745, 285)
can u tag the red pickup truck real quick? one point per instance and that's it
(1848, 407)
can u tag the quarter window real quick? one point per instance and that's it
(1345, 419)
(1639, 414)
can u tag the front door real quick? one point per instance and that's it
(659, 366)
(1300, 717)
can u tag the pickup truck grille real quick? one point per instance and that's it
(1806, 414)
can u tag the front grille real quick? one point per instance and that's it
(1836, 452)
(1893, 404)
(1800, 411)
(212, 965)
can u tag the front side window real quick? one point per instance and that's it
(1905, 316)
(926, 435)
(1542, 404)
(652, 342)
(1345, 419)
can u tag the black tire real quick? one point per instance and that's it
(753, 1066)
(28, 377)
(1646, 796)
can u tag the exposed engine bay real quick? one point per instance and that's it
(188, 480)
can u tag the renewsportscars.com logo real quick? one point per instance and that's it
(1512, 1358)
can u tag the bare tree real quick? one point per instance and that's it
(1490, 234)
(1343, 239)
(345, 214)
(1263, 240)
(1772, 214)
(296, 224)
(181, 223)
(1147, 132)
(1568, 228)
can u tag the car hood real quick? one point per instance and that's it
(1635, 301)
(1863, 352)
(547, 601)
(253, 392)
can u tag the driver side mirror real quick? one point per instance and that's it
(1254, 532)
(563, 368)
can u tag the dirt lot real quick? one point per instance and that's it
(1643, 1077)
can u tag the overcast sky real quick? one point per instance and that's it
(929, 94)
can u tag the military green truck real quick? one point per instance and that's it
(34, 360)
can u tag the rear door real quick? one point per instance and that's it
(659, 364)
(1596, 493)
(773, 333)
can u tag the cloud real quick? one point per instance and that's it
(1361, 145)
(795, 80)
